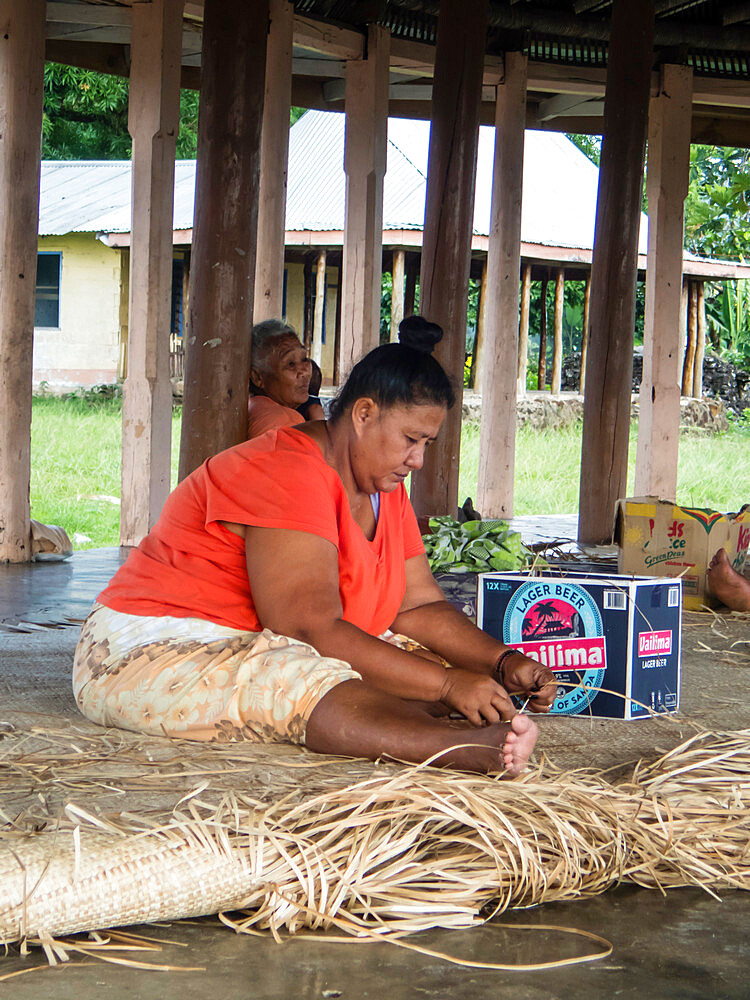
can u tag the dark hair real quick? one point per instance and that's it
(395, 375)
(419, 333)
(316, 379)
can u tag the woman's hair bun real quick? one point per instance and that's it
(419, 333)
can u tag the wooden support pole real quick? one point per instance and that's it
(585, 332)
(667, 187)
(541, 381)
(477, 356)
(308, 281)
(214, 415)
(683, 323)
(412, 273)
(497, 436)
(700, 340)
(557, 344)
(153, 122)
(320, 306)
(397, 292)
(523, 329)
(688, 365)
(22, 30)
(614, 269)
(337, 327)
(449, 210)
(274, 154)
(365, 141)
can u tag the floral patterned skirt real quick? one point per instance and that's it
(193, 679)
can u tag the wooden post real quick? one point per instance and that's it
(614, 270)
(477, 360)
(22, 33)
(497, 436)
(700, 340)
(557, 344)
(683, 323)
(153, 122)
(320, 304)
(688, 366)
(449, 210)
(214, 414)
(542, 368)
(307, 303)
(397, 292)
(274, 153)
(412, 273)
(364, 164)
(667, 187)
(585, 332)
(337, 328)
(523, 330)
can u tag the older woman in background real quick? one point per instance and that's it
(279, 380)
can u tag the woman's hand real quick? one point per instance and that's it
(524, 676)
(476, 696)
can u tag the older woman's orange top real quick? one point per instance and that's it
(265, 414)
(191, 566)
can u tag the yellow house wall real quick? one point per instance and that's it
(295, 310)
(84, 350)
(295, 296)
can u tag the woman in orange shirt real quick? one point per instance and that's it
(284, 594)
(279, 380)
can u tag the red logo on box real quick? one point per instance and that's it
(582, 653)
(654, 643)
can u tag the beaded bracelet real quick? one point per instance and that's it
(498, 670)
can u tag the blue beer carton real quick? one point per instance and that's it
(619, 633)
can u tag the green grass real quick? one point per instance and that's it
(75, 463)
(713, 470)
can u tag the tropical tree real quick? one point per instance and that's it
(86, 116)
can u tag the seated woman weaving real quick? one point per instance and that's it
(284, 595)
(279, 380)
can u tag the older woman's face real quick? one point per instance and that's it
(285, 373)
(391, 442)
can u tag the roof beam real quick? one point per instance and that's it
(570, 104)
(87, 13)
(343, 43)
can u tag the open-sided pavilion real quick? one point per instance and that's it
(670, 70)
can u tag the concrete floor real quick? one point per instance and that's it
(682, 946)
(686, 946)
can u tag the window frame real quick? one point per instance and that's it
(59, 255)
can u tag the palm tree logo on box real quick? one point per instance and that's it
(559, 624)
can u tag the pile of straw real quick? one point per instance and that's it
(399, 850)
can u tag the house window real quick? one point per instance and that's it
(48, 267)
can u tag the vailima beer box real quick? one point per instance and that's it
(618, 633)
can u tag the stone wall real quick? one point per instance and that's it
(541, 409)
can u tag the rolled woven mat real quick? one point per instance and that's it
(390, 853)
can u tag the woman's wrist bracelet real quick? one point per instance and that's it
(498, 669)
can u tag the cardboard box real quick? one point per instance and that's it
(658, 538)
(618, 633)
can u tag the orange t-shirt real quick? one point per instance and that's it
(265, 414)
(191, 566)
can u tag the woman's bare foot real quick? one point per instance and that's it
(726, 583)
(504, 746)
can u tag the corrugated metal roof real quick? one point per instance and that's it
(93, 196)
(559, 192)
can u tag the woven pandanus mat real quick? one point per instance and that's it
(104, 828)
(400, 849)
